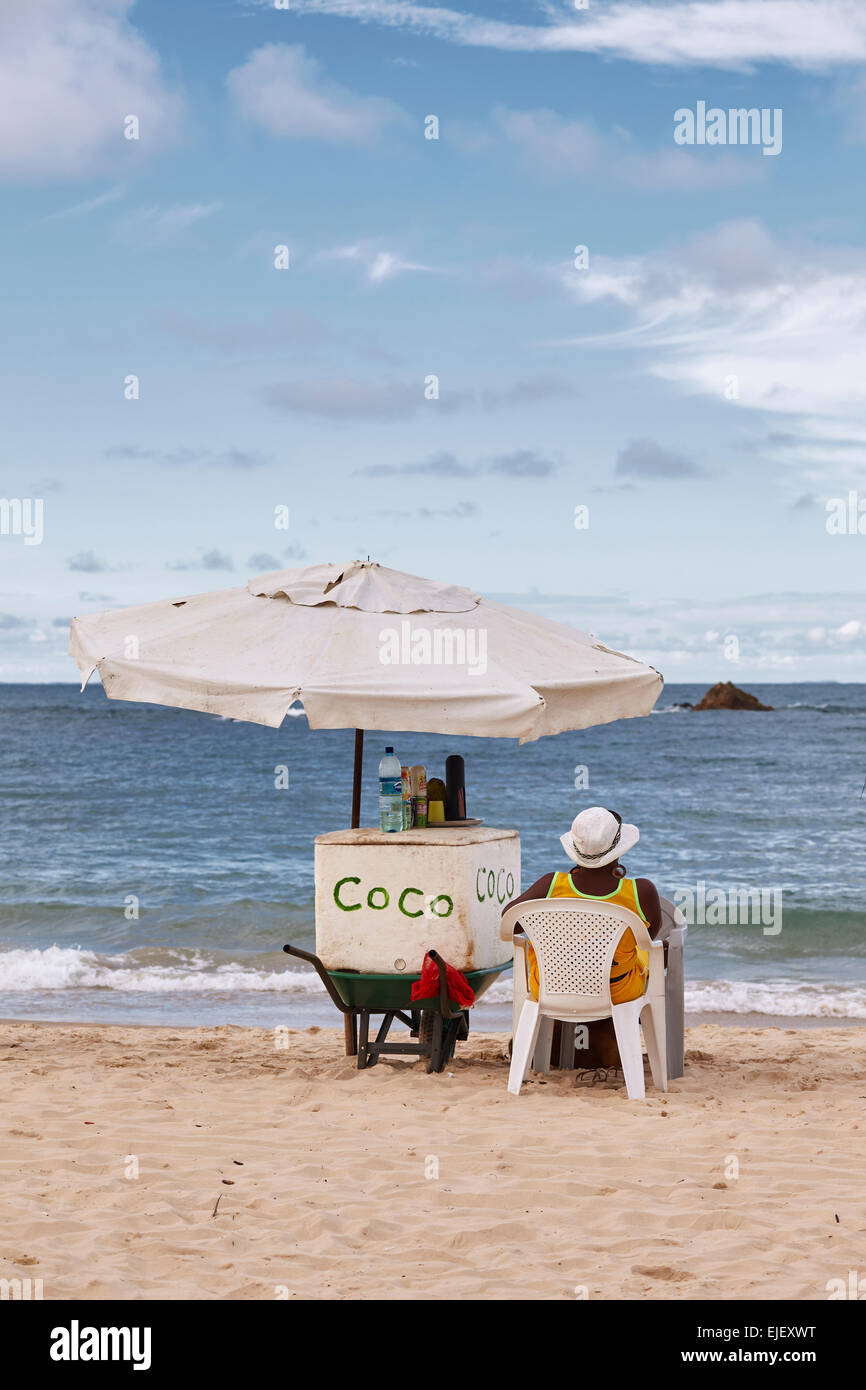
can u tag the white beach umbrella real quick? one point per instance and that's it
(363, 647)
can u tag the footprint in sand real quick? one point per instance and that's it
(674, 1276)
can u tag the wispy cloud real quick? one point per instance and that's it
(155, 225)
(207, 560)
(738, 34)
(285, 328)
(577, 148)
(179, 458)
(111, 195)
(520, 463)
(461, 511)
(85, 562)
(283, 89)
(378, 265)
(346, 398)
(780, 636)
(739, 316)
(643, 458)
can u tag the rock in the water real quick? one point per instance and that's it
(726, 695)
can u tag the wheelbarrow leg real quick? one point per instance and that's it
(362, 1047)
(437, 1050)
(350, 1033)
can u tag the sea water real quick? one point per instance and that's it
(154, 861)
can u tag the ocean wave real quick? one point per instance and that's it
(778, 998)
(65, 968)
(149, 971)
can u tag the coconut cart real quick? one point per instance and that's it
(361, 646)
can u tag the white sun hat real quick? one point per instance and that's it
(598, 837)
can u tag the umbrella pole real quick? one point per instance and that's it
(350, 1021)
(356, 788)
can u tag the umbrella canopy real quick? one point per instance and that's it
(362, 646)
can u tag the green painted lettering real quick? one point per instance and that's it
(345, 907)
(402, 903)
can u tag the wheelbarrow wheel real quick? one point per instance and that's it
(425, 1027)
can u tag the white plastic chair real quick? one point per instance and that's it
(574, 942)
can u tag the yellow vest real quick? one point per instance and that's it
(628, 974)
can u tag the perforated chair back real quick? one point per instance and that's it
(574, 942)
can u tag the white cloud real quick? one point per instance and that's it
(281, 88)
(576, 148)
(378, 265)
(807, 34)
(779, 327)
(154, 225)
(111, 195)
(71, 71)
(797, 635)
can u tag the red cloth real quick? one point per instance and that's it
(459, 987)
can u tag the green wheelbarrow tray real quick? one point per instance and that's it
(386, 992)
(437, 1022)
(352, 989)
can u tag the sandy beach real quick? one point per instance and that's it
(269, 1167)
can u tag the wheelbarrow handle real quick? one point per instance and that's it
(322, 974)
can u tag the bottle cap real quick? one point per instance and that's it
(388, 749)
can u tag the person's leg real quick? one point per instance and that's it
(601, 1049)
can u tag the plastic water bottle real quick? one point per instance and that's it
(390, 792)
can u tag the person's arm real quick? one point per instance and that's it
(648, 896)
(649, 901)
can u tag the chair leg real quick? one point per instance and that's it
(523, 1046)
(653, 1023)
(674, 1011)
(626, 1022)
(566, 1046)
(541, 1062)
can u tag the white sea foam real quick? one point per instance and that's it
(776, 999)
(65, 968)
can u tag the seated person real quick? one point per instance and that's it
(596, 840)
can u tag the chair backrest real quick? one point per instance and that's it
(574, 940)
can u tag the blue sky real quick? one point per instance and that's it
(607, 387)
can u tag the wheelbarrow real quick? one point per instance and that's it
(436, 1023)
